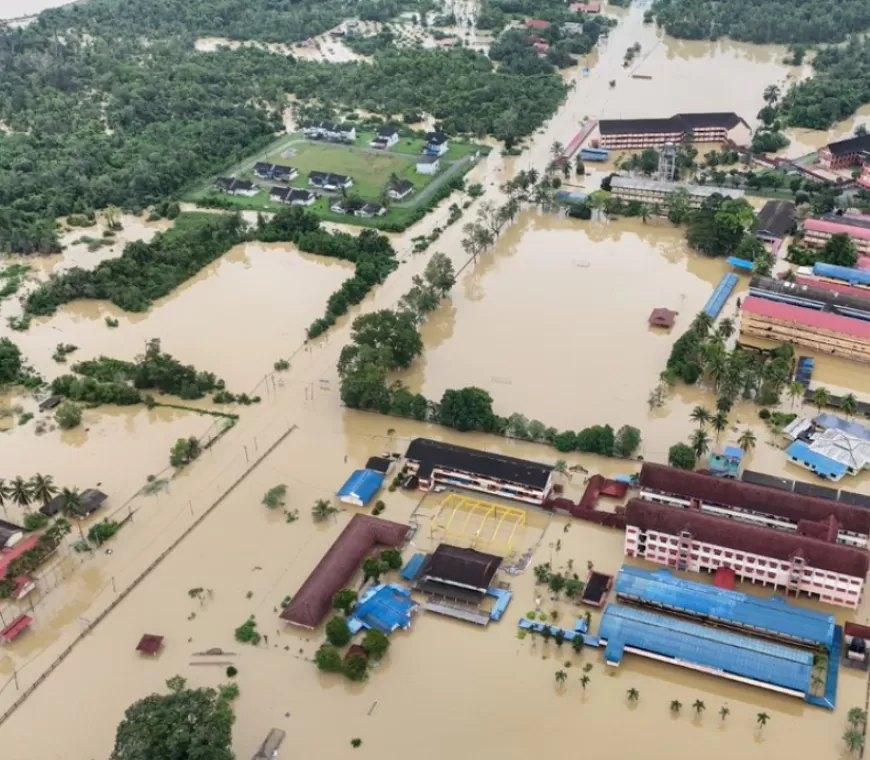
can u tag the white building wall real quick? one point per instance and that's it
(663, 548)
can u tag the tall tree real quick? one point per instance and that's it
(747, 440)
(20, 492)
(700, 442)
(42, 488)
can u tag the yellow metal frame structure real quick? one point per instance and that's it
(467, 507)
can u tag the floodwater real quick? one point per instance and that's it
(580, 353)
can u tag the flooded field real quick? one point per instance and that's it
(563, 337)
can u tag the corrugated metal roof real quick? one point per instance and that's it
(820, 464)
(361, 486)
(832, 228)
(834, 287)
(846, 274)
(774, 617)
(808, 317)
(699, 645)
(832, 421)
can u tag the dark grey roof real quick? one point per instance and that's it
(260, 166)
(683, 122)
(850, 220)
(431, 454)
(856, 499)
(299, 195)
(371, 208)
(776, 218)
(466, 567)
(242, 184)
(387, 131)
(49, 403)
(90, 499)
(797, 293)
(763, 479)
(224, 182)
(280, 170)
(402, 186)
(279, 193)
(851, 145)
(820, 492)
(327, 178)
(436, 138)
(425, 159)
(379, 464)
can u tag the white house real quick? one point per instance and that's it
(332, 132)
(292, 196)
(427, 164)
(436, 144)
(369, 210)
(232, 186)
(329, 181)
(386, 138)
(400, 189)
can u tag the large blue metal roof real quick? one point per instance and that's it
(773, 617)
(361, 486)
(847, 274)
(709, 648)
(823, 466)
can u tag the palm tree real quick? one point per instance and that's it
(724, 712)
(577, 644)
(849, 404)
(676, 706)
(700, 415)
(771, 94)
(746, 441)
(700, 442)
(726, 328)
(761, 719)
(20, 492)
(71, 502)
(633, 695)
(645, 212)
(5, 492)
(856, 717)
(561, 467)
(584, 681)
(702, 323)
(719, 423)
(854, 740)
(561, 677)
(42, 488)
(821, 398)
(556, 150)
(795, 391)
(698, 706)
(322, 509)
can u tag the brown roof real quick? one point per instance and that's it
(338, 565)
(735, 493)
(662, 317)
(467, 567)
(150, 644)
(720, 531)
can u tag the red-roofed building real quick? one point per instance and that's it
(822, 331)
(535, 23)
(585, 7)
(687, 539)
(542, 47)
(22, 546)
(753, 504)
(834, 287)
(817, 232)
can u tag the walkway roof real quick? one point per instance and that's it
(703, 647)
(775, 617)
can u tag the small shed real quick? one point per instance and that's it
(16, 628)
(360, 487)
(727, 464)
(663, 318)
(50, 403)
(150, 644)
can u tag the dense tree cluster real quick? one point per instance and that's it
(145, 271)
(720, 224)
(763, 21)
(840, 86)
(10, 362)
(838, 250)
(700, 352)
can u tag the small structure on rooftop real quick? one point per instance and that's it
(150, 644)
(726, 464)
(662, 317)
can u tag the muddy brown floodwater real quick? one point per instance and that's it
(552, 321)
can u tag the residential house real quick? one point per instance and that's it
(338, 206)
(436, 144)
(369, 210)
(232, 186)
(386, 138)
(427, 164)
(275, 171)
(292, 196)
(345, 133)
(329, 181)
(263, 170)
(400, 189)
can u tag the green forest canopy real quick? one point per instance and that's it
(100, 116)
(763, 21)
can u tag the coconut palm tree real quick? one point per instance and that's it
(821, 398)
(71, 502)
(561, 467)
(700, 442)
(854, 740)
(698, 706)
(700, 415)
(561, 677)
(771, 94)
(761, 719)
(20, 492)
(856, 717)
(849, 405)
(724, 404)
(633, 695)
(702, 323)
(322, 510)
(795, 391)
(577, 644)
(5, 492)
(719, 423)
(724, 712)
(584, 681)
(676, 706)
(726, 328)
(42, 488)
(645, 212)
(747, 440)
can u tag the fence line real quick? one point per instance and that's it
(144, 574)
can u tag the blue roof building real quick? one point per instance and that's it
(773, 618)
(846, 274)
(384, 608)
(803, 456)
(833, 422)
(709, 650)
(361, 487)
(727, 464)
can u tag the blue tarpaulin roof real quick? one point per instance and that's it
(847, 274)
(360, 487)
(821, 465)
(774, 617)
(827, 420)
(708, 648)
(740, 263)
(384, 608)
